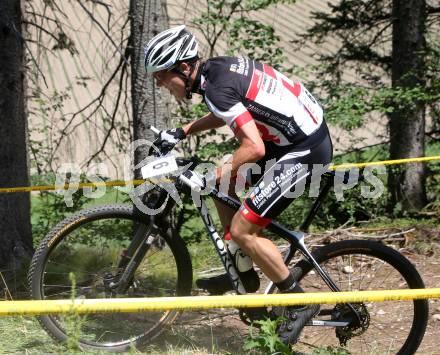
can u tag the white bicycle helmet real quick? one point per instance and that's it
(170, 47)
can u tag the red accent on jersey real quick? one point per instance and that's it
(265, 134)
(241, 120)
(253, 87)
(269, 71)
(295, 90)
(252, 217)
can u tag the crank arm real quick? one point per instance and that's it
(327, 323)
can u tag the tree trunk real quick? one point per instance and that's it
(15, 226)
(147, 18)
(407, 122)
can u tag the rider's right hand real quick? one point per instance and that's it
(167, 139)
(206, 181)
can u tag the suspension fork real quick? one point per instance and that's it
(144, 237)
(132, 257)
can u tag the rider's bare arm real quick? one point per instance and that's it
(204, 123)
(251, 150)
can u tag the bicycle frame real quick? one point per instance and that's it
(295, 238)
(143, 239)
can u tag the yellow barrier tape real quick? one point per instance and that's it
(112, 305)
(384, 162)
(139, 182)
(71, 186)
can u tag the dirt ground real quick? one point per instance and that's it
(221, 331)
(429, 268)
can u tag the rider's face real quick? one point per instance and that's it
(171, 81)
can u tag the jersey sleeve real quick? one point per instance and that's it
(223, 103)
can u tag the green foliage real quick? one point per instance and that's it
(347, 105)
(363, 29)
(42, 135)
(329, 350)
(187, 222)
(73, 322)
(50, 208)
(232, 21)
(433, 183)
(257, 40)
(266, 340)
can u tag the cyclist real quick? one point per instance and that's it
(279, 126)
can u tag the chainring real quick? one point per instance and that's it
(355, 327)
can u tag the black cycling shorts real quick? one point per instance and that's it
(283, 175)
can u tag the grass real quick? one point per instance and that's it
(24, 335)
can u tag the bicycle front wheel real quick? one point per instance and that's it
(89, 246)
(395, 327)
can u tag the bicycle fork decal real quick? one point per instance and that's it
(221, 248)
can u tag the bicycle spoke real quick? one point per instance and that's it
(388, 324)
(92, 253)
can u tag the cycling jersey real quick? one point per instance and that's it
(238, 90)
(290, 121)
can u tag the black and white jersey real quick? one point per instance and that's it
(238, 90)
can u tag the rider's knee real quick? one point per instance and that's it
(234, 233)
(241, 237)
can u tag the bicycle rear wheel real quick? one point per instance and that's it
(355, 265)
(89, 246)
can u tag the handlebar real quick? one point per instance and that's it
(183, 162)
(154, 130)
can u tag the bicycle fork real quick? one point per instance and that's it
(132, 257)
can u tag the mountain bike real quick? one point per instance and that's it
(117, 251)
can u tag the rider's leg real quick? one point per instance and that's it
(262, 251)
(222, 283)
(267, 256)
(273, 193)
(226, 213)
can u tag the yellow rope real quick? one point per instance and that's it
(139, 182)
(384, 162)
(112, 305)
